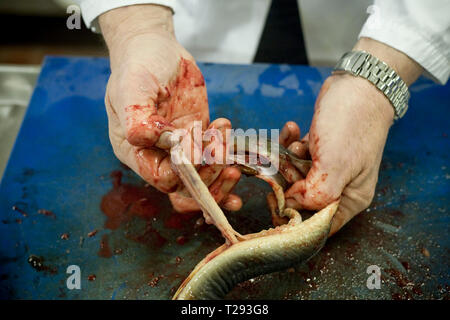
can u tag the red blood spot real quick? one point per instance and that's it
(92, 277)
(159, 124)
(215, 189)
(105, 250)
(126, 201)
(397, 296)
(190, 75)
(22, 212)
(47, 213)
(135, 107)
(181, 240)
(116, 177)
(405, 264)
(178, 260)
(92, 233)
(179, 220)
(302, 190)
(150, 237)
(400, 278)
(154, 282)
(124, 166)
(417, 290)
(199, 222)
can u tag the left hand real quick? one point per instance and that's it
(346, 140)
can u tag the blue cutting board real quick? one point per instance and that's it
(62, 162)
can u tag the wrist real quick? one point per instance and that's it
(369, 100)
(404, 66)
(122, 24)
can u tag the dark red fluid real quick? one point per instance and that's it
(126, 201)
(154, 282)
(150, 237)
(105, 250)
(179, 220)
(181, 240)
(22, 212)
(47, 213)
(92, 233)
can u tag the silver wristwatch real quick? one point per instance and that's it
(363, 64)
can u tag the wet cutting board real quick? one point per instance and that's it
(59, 173)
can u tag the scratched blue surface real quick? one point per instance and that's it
(62, 159)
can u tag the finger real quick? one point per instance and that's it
(220, 190)
(342, 216)
(289, 134)
(292, 203)
(136, 106)
(154, 166)
(355, 198)
(289, 172)
(320, 187)
(209, 174)
(301, 148)
(220, 124)
(216, 137)
(183, 204)
(225, 183)
(214, 153)
(231, 202)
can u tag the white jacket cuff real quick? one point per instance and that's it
(92, 9)
(431, 51)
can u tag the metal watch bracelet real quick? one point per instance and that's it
(363, 64)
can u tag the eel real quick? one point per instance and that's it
(243, 257)
(264, 252)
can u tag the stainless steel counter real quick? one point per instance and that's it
(16, 87)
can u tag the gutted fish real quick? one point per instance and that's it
(261, 253)
(243, 257)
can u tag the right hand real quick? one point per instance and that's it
(155, 86)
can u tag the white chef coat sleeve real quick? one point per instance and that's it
(92, 9)
(420, 29)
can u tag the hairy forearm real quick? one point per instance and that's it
(405, 67)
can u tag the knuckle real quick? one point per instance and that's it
(367, 199)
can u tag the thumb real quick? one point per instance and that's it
(321, 186)
(135, 99)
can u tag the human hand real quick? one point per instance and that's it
(345, 143)
(155, 86)
(346, 139)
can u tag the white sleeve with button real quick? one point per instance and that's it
(92, 9)
(420, 29)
